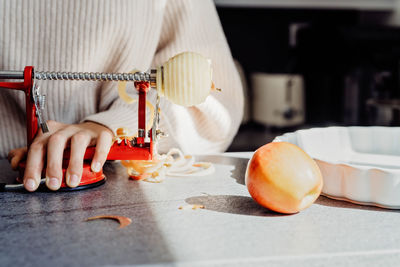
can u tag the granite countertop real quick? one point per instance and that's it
(49, 228)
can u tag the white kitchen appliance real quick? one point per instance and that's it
(278, 99)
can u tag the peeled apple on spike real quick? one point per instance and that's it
(185, 79)
(282, 177)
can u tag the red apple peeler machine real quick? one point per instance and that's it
(140, 147)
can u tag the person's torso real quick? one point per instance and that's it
(75, 35)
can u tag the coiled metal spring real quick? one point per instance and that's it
(92, 76)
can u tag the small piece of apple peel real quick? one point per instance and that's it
(123, 221)
(192, 207)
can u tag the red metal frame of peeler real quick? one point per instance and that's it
(139, 150)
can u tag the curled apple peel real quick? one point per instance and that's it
(174, 163)
(186, 80)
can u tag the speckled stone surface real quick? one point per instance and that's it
(49, 229)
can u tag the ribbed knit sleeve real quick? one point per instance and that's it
(134, 50)
(210, 126)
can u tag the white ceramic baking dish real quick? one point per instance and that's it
(358, 164)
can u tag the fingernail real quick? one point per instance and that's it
(53, 183)
(96, 167)
(73, 180)
(30, 184)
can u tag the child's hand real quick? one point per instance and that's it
(76, 136)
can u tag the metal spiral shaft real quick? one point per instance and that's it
(149, 76)
(92, 76)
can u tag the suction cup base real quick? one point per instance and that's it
(89, 179)
(83, 187)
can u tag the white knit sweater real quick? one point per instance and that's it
(117, 36)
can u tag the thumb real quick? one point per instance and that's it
(16, 155)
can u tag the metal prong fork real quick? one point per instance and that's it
(40, 103)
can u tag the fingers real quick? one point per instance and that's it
(79, 143)
(55, 150)
(16, 155)
(35, 158)
(104, 142)
(54, 143)
(34, 165)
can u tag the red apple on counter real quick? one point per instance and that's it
(282, 177)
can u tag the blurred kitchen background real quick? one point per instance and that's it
(313, 63)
